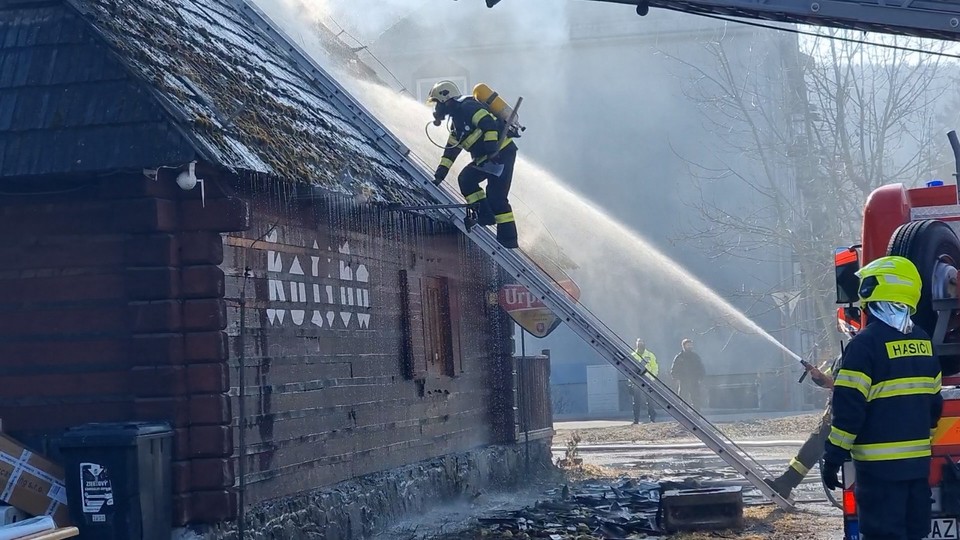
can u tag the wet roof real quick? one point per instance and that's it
(186, 77)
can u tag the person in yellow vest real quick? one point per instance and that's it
(648, 360)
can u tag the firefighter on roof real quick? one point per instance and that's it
(886, 402)
(476, 130)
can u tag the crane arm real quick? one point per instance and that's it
(938, 19)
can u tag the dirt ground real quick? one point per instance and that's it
(814, 519)
(771, 523)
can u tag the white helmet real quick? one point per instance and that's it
(443, 91)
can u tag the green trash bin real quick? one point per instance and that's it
(118, 480)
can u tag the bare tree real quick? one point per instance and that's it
(822, 122)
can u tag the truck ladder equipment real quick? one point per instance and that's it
(938, 19)
(521, 268)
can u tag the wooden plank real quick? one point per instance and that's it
(57, 534)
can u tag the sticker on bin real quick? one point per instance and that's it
(96, 491)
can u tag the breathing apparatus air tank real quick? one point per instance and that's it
(493, 101)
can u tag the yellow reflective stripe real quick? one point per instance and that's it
(476, 196)
(477, 116)
(504, 218)
(891, 451)
(909, 347)
(841, 438)
(504, 144)
(452, 141)
(446, 162)
(799, 467)
(491, 136)
(854, 379)
(906, 386)
(471, 139)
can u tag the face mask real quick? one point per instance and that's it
(894, 314)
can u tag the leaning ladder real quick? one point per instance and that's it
(520, 267)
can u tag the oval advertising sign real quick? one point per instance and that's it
(529, 312)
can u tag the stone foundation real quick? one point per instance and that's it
(355, 509)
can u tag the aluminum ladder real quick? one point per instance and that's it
(521, 268)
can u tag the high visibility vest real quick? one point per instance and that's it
(650, 359)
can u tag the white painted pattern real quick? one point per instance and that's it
(339, 290)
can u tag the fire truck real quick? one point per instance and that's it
(921, 224)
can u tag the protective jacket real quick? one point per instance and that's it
(651, 360)
(886, 403)
(474, 129)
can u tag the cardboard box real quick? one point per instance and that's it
(32, 483)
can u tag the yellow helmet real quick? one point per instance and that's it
(890, 279)
(443, 91)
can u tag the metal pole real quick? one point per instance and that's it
(242, 416)
(524, 413)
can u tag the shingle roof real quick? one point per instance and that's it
(66, 105)
(232, 92)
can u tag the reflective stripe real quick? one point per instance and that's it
(476, 196)
(891, 451)
(799, 467)
(446, 162)
(452, 141)
(841, 438)
(854, 379)
(477, 116)
(471, 139)
(906, 386)
(491, 136)
(504, 218)
(506, 141)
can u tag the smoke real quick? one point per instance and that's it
(629, 283)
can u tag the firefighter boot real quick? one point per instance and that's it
(785, 483)
(507, 234)
(484, 212)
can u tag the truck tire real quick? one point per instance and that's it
(925, 243)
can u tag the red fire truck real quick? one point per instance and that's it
(922, 224)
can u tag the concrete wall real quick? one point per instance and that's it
(357, 508)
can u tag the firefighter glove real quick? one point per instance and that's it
(830, 473)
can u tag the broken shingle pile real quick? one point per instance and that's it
(624, 510)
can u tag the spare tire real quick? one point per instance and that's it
(927, 243)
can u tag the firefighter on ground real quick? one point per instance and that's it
(648, 360)
(812, 449)
(886, 403)
(477, 130)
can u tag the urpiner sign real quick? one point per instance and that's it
(529, 312)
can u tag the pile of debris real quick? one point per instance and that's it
(626, 509)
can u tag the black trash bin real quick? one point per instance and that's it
(118, 480)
